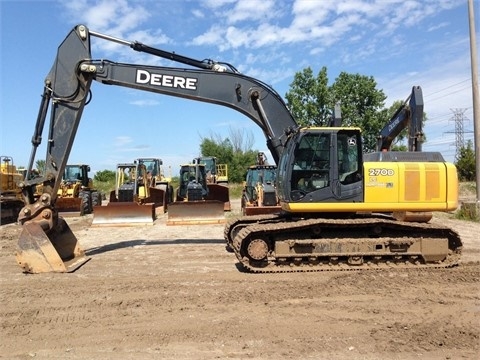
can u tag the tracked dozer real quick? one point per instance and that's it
(194, 203)
(217, 180)
(135, 200)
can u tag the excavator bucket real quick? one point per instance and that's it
(219, 193)
(123, 214)
(196, 212)
(69, 206)
(55, 251)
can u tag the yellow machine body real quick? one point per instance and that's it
(397, 187)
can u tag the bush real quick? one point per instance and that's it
(468, 211)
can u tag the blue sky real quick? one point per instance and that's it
(400, 43)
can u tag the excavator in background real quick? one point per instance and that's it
(11, 200)
(135, 200)
(76, 195)
(195, 203)
(337, 206)
(259, 195)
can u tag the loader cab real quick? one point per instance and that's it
(258, 174)
(322, 165)
(77, 174)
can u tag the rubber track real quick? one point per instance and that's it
(273, 266)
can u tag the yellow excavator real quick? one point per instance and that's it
(341, 209)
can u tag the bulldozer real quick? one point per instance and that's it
(158, 179)
(135, 200)
(259, 195)
(76, 195)
(340, 207)
(194, 202)
(11, 200)
(217, 180)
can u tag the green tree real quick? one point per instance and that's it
(104, 175)
(40, 165)
(308, 99)
(361, 104)
(235, 151)
(466, 163)
(311, 101)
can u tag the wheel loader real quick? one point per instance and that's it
(194, 203)
(136, 200)
(76, 195)
(11, 200)
(341, 209)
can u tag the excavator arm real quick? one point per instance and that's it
(409, 115)
(67, 91)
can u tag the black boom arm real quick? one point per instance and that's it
(67, 89)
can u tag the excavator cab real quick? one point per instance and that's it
(325, 166)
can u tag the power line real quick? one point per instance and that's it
(459, 118)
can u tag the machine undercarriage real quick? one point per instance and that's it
(268, 244)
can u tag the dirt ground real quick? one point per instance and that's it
(173, 292)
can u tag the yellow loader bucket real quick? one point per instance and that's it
(55, 251)
(123, 214)
(196, 212)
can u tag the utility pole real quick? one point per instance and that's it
(475, 95)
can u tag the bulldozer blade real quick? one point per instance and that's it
(57, 251)
(69, 206)
(220, 193)
(196, 213)
(123, 214)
